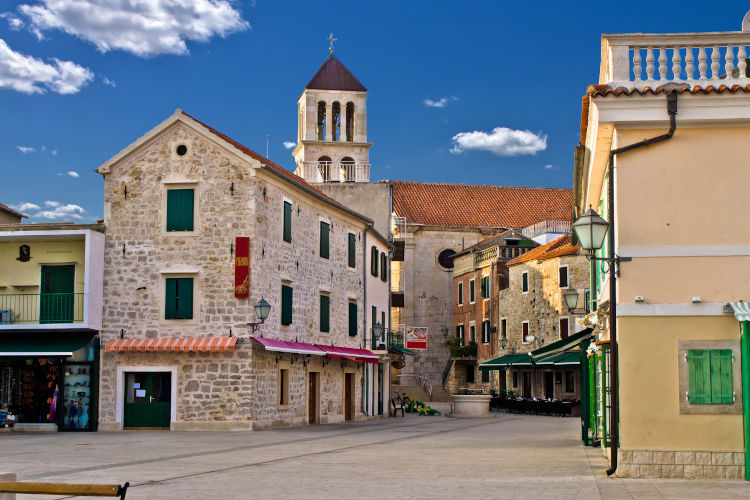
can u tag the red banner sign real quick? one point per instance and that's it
(416, 337)
(242, 267)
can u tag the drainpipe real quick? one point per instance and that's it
(366, 391)
(613, 414)
(745, 360)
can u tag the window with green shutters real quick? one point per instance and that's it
(287, 222)
(180, 205)
(472, 333)
(710, 377)
(325, 239)
(352, 250)
(287, 298)
(485, 287)
(352, 319)
(485, 332)
(460, 294)
(460, 333)
(178, 298)
(374, 261)
(325, 313)
(383, 267)
(472, 292)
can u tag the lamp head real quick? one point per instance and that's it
(262, 308)
(590, 230)
(571, 299)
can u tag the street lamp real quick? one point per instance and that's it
(571, 299)
(503, 342)
(590, 230)
(261, 308)
(377, 332)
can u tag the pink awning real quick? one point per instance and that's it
(283, 346)
(359, 355)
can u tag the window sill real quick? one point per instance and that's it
(282, 407)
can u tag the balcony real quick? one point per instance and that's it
(546, 227)
(638, 60)
(325, 172)
(397, 280)
(486, 257)
(41, 308)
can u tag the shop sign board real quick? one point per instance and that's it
(416, 337)
(242, 267)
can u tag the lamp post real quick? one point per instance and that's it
(377, 334)
(261, 308)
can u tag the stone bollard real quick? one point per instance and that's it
(11, 478)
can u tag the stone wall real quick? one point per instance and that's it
(372, 199)
(681, 464)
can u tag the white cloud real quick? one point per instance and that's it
(14, 21)
(143, 27)
(54, 152)
(59, 211)
(52, 203)
(107, 81)
(502, 141)
(26, 149)
(73, 174)
(549, 167)
(440, 103)
(33, 76)
(23, 207)
(289, 144)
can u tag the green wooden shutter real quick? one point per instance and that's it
(352, 319)
(180, 209)
(170, 298)
(374, 261)
(325, 231)
(287, 297)
(460, 293)
(721, 376)
(699, 377)
(184, 298)
(287, 222)
(325, 313)
(472, 291)
(473, 337)
(383, 267)
(485, 287)
(352, 250)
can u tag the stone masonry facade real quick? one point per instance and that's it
(681, 464)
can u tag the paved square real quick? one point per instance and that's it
(509, 456)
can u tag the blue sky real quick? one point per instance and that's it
(79, 83)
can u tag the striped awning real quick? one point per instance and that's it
(741, 310)
(293, 347)
(358, 355)
(197, 344)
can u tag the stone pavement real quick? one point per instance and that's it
(509, 456)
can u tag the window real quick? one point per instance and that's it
(352, 319)
(352, 250)
(504, 328)
(178, 298)
(374, 315)
(325, 313)
(472, 292)
(570, 381)
(473, 333)
(460, 294)
(283, 386)
(525, 282)
(563, 276)
(325, 239)
(383, 266)
(485, 287)
(180, 206)
(564, 328)
(485, 376)
(524, 331)
(374, 261)
(485, 332)
(287, 222)
(710, 377)
(460, 334)
(287, 298)
(470, 374)
(445, 258)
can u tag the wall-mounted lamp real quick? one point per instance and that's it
(571, 299)
(503, 342)
(262, 308)
(590, 230)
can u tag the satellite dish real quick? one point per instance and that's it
(529, 338)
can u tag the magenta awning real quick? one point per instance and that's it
(284, 346)
(359, 355)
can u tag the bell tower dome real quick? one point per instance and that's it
(332, 127)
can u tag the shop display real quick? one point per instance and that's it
(77, 397)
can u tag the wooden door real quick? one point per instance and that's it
(527, 384)
(348, 389)
(56, 294)
(549, 385)
(148, 398)
(312, 398)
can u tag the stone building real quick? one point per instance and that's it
(479, 273)
(199, 230)
(10, 216)
(532, 313)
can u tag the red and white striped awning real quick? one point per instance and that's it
(358, 355)
(197, 344)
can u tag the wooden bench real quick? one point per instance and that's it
(9, 487)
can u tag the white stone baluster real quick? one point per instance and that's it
(742, 62)
(649, 63)
(715, 62)
(662, 63)
(729, 61)
(689, 68)
(676, 64)
(702, 62)
(637, 71)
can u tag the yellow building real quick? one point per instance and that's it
(678, 223)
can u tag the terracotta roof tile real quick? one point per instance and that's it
(479, 206)
(606, 90)
(6, 208)
(333, 75)
(556, 248)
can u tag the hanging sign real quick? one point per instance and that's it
(242, 267)
(416, 337)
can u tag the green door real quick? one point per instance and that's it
(56, 294)
(147, 400)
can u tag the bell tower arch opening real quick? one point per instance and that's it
(349, 121)
(321, 123)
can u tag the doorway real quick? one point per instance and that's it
(549, 385)
(312, 397)
(348, 395)
(148, 400)
(527, 384)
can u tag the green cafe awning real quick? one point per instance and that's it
(402, 350)
(562, 345)
(503, 362)
(42, 344)
(570, 358)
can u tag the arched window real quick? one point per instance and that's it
(321, 121)
(347, 165)
(336, 123)
(445, 259)
(324, 168)
(349, 121)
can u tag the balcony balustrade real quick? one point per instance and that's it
(398, 226)
(397, 280)
(547, 226)
(486, 256)
(41, 309)
(324, 172)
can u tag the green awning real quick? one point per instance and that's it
(42, 344)
(570, 358)
(562, 345)
(503, 362)
(402, 350)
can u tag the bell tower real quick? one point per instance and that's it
(332, 127)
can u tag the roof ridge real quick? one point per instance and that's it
(493, 186)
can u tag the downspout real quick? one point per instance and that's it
(366, 392)
(613, 365)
